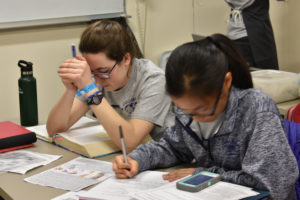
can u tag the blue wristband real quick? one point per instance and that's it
(86, 89)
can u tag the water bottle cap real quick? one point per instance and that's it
(25, 66)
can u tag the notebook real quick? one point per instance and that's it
(14, 136)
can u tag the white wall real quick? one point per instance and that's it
(292, 36)
(159, 25)
(171, 22)
(46, 47)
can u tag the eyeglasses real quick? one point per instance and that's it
(179, 111)
(104, 75)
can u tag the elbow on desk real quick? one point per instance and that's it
(54, 130)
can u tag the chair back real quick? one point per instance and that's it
(293, 135)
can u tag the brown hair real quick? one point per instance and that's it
(108, 37)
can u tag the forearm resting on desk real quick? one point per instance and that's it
(134, 130)
(65, 113)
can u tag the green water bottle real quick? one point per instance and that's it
(27, 95)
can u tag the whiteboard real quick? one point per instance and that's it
(22, 13)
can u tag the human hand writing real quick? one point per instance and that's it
(125, 170)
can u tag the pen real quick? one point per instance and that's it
(123, 144)
(73, 51)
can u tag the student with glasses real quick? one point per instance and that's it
(222, 125)
(119, 88)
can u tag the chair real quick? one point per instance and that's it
(293, 113)
(293, 134)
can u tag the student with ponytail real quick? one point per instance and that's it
(223, 125)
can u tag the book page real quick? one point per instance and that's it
(86, 135)
(74, 175)
(41, 130)
(114, 188)
(84, 122)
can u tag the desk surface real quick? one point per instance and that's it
(13, 186)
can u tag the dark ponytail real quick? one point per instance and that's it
(199, 68)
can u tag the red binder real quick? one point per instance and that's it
(14, 136)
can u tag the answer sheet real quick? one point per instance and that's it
(220, 190)
(119, 189)
(21, 161)
(69, 196)
(74, 175)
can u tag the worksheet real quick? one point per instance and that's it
(221, 190)
(69, 196)
(119, 189)
(74, 175)
(21, 161)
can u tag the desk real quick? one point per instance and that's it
(13, 186)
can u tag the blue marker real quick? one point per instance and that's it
(73, 50)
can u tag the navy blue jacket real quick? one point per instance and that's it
(250, 148)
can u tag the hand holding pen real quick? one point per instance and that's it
(124, 166)
(75, 72)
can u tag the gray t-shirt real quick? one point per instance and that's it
(236, 27)
(144, 97)
(205, 130)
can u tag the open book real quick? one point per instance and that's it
(86, 137)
